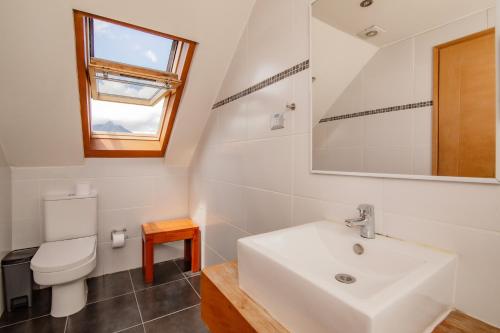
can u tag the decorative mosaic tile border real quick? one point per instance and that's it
(376, 111)
(267, 82)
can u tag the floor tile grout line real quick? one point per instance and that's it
(172, 313)
(187, 279)
(137, 302)
(24, 320)
(161, 284)
(178, 267)
(66, 324)
(108, 298)
(127, 328)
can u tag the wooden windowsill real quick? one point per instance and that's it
(226, 308)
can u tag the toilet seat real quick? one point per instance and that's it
(63, 255)
(63, 265)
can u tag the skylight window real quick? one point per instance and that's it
(131, 46)
(130, 80)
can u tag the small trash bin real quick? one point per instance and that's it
(17, 278)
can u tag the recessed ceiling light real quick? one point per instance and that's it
(370, 32)
(366, 3)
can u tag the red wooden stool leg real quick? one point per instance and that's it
(187, 251)
(195, 252)
(148, 260)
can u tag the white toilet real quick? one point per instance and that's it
(69, 252)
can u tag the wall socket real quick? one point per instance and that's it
(277, 121)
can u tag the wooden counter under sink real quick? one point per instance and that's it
(225, 308)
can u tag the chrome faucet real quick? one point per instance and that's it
(366, 221)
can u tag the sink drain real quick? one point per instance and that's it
(345, 278)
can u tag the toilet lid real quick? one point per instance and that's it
(62, 255)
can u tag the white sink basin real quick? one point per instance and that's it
(400, 287)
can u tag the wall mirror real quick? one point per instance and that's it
(404, 88)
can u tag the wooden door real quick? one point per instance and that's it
(465, 107)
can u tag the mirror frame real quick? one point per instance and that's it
(495, 180)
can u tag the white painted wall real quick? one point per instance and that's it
(130, 192)
(338, 58)
(5, 215)
(395, 142)
(40, 119)
(246, 179)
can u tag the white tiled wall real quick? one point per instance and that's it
(395, 142)
(5, 215)
(247, 179)
(130, 192)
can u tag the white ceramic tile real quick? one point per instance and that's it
(382, 159)
(271, 47)
(237, 76)
(348, 190)
(117, 219)
(306, 210)
(422, 122)
(127, 167)
(264, 103)
(268, 164)
(351, 99)
(131, 192)
(232, 121)
(425, 43)
(168, 251)
(422, 160)
(391, 129)
(228, 162)
(26, 233)
(267, 211)
(222, 238)
(300, 25)
(25, 173)
(321, 159)
(388, 76)
(120, 259)
(210, 134)
(320, 135)
(25, 200)
(230, 204)
(210, 257)
(115, 193)
(348, 159)
(301, 98)
(477, 289)
(170, 197)
(473, 205)
(491, 17)
(346, 133)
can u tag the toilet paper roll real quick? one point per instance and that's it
(117, 239)
(82, 189)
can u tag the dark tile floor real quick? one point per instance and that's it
(122, 302)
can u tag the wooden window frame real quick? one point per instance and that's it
(107, 145)
(96, 65)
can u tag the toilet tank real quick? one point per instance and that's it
(70, 216)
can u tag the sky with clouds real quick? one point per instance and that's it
(121, 44)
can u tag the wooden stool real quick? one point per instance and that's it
(170, 231)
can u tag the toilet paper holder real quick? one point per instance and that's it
(124, 230)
